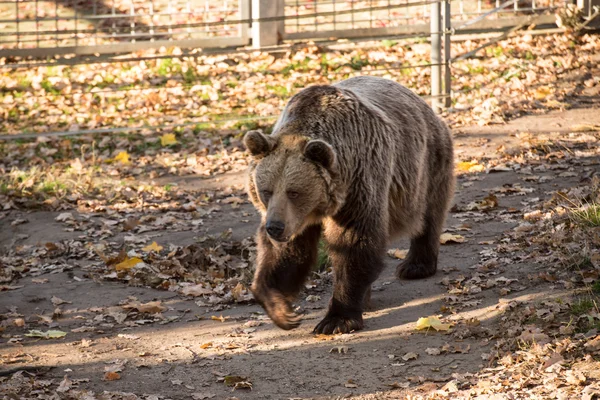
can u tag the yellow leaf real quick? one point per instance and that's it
(432, 322)
(219, 318)
(541, 93)
(206, 345)
(122, 157)
(153, 247)
(450, 238)
(128, 263)
(469, 166)
(168, 139)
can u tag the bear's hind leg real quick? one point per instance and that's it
(421, 261)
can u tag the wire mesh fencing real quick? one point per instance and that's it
(47, 28)
(41, 28)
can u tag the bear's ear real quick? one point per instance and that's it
(257, 143)
(320, 152)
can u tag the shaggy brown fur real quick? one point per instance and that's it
(359, 161)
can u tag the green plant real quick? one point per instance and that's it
(323, 261)
(586, 214)
(389, 43)
(582, 306)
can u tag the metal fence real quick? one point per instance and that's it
(37, 28)
(40, 28)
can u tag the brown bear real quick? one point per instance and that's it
(359, 162)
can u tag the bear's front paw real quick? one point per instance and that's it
(333, 324)
(411, 269)
(278, 308)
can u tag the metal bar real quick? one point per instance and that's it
(114, 26)
(127, 129)
(447, 54)
(122, 47)
(491, 42)
(76, 24)
(132, 22)
(244, 14)
(37, 24)
(56, 23)
(151, 10)
(485, 15)
(316, 13)
(436, 55)
(418, 30)
(424, 3)
(18, 20)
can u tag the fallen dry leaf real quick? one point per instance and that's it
(339, 349)
(446, 238)
(350, 384)
(111, 376)
(469, 166)
(397, 253)
(195, 290)
(151, 307)
(168, 139)
(122, 157)
(128, 263)
(432, 322)
(153, 247)
(238, 382)
(51, 334)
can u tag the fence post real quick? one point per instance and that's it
(436, 55)
(267, 33)
(447, 53)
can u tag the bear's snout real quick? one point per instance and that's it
(276, 230)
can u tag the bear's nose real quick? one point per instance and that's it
(275, 229)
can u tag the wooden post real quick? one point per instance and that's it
(267, 33)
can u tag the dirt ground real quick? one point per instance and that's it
(184, 353)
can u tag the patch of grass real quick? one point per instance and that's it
(52, 187)
(357, 63)
(189, 76)
(582, 306)
(279, 90)
(586, 215)
(47, 86)
(301, 66)
(529, 56)
(167, 66)
(578, 262)
(389, 43)
(596, 287)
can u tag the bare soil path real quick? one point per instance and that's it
(185, 353)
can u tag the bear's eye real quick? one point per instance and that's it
(266, 194)
(292, 194)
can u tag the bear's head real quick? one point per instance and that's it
(292, 182)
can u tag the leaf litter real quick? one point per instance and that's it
(548, 233)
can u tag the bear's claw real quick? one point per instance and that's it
(287, 321)
(279, 309)
(338, 324)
